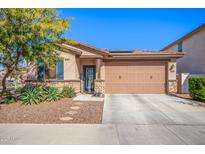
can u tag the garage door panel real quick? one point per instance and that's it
(135, 77)
(136, 88)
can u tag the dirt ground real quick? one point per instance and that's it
(52, 112)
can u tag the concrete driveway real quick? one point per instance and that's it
(147, 109)
(155, 119)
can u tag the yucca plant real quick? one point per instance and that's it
(52, 94)
(68, 92)
(32, 95)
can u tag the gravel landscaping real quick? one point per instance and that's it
(63, 111)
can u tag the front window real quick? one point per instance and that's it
(46, 72)
(180, 47)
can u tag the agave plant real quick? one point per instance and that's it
(32, 95)
(68, 92)
(52, 94)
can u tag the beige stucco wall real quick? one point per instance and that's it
(194, 60)
(71, 71)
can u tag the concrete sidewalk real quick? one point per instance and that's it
(101, 134)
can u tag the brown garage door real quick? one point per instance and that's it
(135, 77)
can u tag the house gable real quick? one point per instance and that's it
(199, 29)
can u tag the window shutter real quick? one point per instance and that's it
(41, 70)
(60, 69)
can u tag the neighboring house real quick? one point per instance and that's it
(193, 45)
(89, 69)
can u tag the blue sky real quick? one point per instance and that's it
(127, 29)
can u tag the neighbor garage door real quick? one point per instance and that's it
(135, 77)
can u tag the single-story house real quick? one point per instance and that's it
(89, 69)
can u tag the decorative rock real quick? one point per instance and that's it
(79, 103)
(75, 107)
(71, 112)
(66, 118)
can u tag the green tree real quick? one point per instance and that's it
(29, 35)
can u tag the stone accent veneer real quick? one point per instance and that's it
(172, 86)
(58, 83)
(100, 86)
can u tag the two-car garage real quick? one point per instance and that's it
(135, 77)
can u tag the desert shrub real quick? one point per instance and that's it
(52, 94)
(10, 99)
(197, 88)
(68, 92)
(32, 95)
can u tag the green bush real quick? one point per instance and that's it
(52, 94)
(10, 99)
(68, 92)
(32, 95)
(197, 88)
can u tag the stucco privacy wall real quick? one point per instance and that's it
(183, 85)
(193, 61)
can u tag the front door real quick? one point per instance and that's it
(89, 77)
